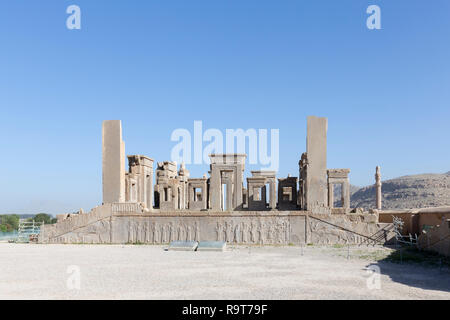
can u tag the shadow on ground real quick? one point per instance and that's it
(416, 268)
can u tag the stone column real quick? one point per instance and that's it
(273, 195)
(264, 194)
(316, 149)
(215, 189)
(346, 195)
(191, 194)
(238, 187)
(230, 205)
(378, 187)
(330, 195)
(149, 190)
(113, 150)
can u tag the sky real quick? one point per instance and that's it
(161, 65)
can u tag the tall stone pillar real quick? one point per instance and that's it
(346, 195)
(113, 149)
(378, 187)
(273, 194)
(237, 187)
(230, 204)
(316, 149)
(215, 189)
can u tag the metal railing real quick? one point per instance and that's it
(377, 238)
(399, 237)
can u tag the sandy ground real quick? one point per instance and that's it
(30, 271)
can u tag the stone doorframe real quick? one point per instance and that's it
(339, 176)
(193, 202)
(227, 169)
(259, 180)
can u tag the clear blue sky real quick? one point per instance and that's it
(160, 65)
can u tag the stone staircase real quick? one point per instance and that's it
(73, 222)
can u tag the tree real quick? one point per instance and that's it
(46, 218)
(9, 222)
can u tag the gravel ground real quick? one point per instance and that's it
(29, 271)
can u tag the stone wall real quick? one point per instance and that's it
(127, 223)
(236, 229)
(415, 219)
(79, 223)
(347, 229)
(437, 239)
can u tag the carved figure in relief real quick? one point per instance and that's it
(237, 232)
(155, 233)
(245, 232)
(189, 233)
(254, 232)
(197, 232)
(219, 231)
(229, 231)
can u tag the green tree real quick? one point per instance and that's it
(46, 218)
(9, 222)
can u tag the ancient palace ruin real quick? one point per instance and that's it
(159, 202)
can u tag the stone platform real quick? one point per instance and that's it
(122, 223)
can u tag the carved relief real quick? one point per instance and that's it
(263, 232)
(146, 232)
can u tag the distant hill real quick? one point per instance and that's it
(407, 192)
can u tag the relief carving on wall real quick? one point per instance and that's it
(157, 233)
(257, 232)
(326, 233)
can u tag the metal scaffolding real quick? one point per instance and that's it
(28, 230)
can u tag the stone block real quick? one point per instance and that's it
(183, 246)
(211, 246)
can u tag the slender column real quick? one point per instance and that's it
(230, 196)
(264, 194)
(149, 189)
(238, 187)
(378, 187)
(215, 190)
(346, 195)
(273, 196)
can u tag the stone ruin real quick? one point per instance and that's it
(268, 210)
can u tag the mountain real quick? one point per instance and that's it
(407, 192)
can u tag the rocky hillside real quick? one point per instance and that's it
(408, 192)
